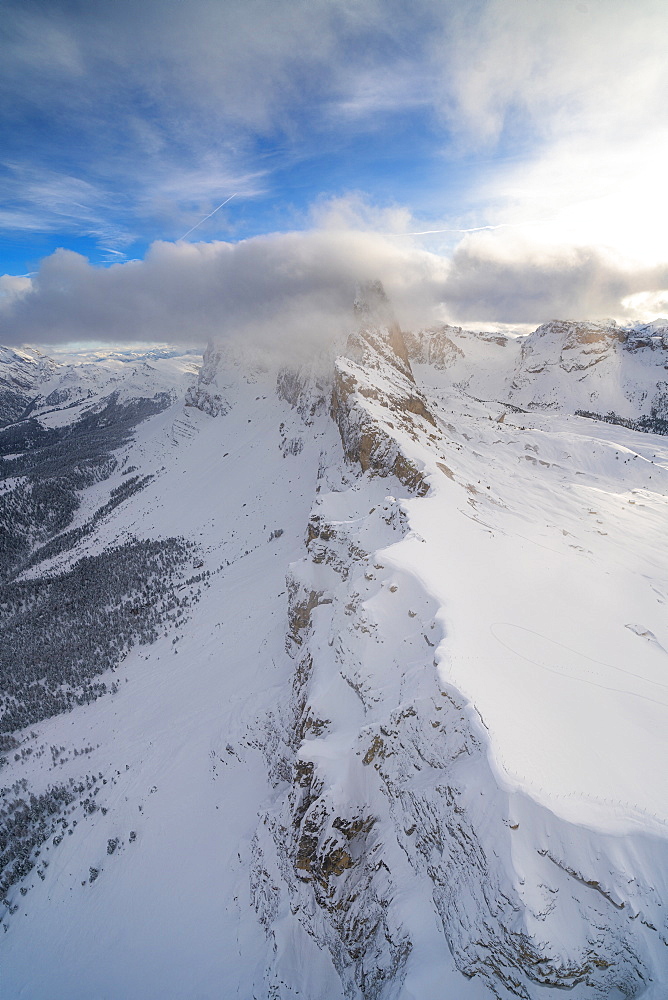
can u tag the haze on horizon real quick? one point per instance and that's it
(498, 161)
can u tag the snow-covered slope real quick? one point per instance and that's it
(385, 713)
(20, 372)
(33, 385)
(562, 366)
(594, 366)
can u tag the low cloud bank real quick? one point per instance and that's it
(292, 291)
(280, 291)
(525, 283)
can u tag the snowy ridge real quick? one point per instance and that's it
(205, 395)
(396, 733)
(20, 372)
(392, 797)
(562, 366)
(59, 392)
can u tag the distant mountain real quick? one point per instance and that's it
(337, 680)
(20, 373)
(561, 366)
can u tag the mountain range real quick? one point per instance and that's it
(339, 677)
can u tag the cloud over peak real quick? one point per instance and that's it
(127, 125)
(289, 291)
(277, 290)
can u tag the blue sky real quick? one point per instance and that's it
(106, 162)
(539, 124)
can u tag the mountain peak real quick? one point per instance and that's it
(379, 332)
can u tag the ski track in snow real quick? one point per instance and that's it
(562, 669)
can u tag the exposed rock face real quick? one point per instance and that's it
(652, 335)
(386, 801)
(379, 328)
(572, 346)
(205, 395)
(306, 389)
(331, 854)
(375, 394)
(649, 343)
(592, 366)
(386, 804)
(435, 346)
(562, 365)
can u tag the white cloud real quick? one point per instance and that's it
(284, 291)
(507, 278)
(568, 66)
(290, 291)
(574, 93)
(13, 287)
(558, 105)
(611, 195)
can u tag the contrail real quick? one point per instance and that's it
(476, 229)
(209, 215)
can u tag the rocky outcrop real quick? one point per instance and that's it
(379, 338)
(386, 804)
(329, 843)
(434, 346)
(375, 402)
(591, 367)
(597, 367)
(572, 346)
(653, 336)
(306, 389)
(205, 394)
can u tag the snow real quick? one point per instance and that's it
(81, 385)
(489, 658)
(538, 567)
(179, 893)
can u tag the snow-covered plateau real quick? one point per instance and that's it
(346, 679)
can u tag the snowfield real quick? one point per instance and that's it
(396, 727)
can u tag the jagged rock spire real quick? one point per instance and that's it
(378, 330)
(205, 395)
